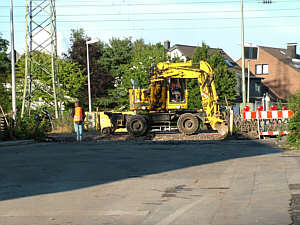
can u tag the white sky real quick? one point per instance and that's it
(216, 22)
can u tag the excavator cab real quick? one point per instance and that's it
(177, 93)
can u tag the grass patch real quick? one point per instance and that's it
(63, 125)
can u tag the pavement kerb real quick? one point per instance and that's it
(19, 142)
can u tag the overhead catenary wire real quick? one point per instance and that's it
(153, 4)
(160, 19)
(169, 13)
(183, 2)
(80, 17)
(122, 11)
(180, 28)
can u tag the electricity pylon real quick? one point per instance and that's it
(41, 36)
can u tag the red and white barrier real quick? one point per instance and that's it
(264, 116)
(278, 114)
(272, 133)
(204, 94)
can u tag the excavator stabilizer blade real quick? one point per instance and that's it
(222, 129)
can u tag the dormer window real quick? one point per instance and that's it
(228, 63)
(261, 69)
(296, 63)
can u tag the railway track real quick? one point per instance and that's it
(154, 136)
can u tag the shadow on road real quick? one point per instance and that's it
(57, 167)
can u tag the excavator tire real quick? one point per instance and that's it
(137, 125)
(222, 129)
(188, 123)
(106, 131)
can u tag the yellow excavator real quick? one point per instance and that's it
(165, 101)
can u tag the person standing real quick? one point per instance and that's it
(78, 118)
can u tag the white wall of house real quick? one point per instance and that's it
(176, 53)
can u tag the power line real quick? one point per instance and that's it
(151, 4)
(265, 26)
(130, 4)
(161, 19)
(167, 13)
(173, 19)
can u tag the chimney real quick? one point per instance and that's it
(167, 45)
(291, 50)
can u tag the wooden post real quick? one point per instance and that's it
(6, 121)
(231, 121)
(97, 119)
(258, 128)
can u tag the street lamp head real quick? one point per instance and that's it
(246, 44)
(91, 41)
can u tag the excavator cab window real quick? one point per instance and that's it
(177, 90)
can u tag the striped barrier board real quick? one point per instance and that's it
(273, 133)
(204, 94)
(276, 114)
(261, 116)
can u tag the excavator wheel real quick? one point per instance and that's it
(188, 124)
(106, 131)
(201, 125)
(222, 129)
(137, 125)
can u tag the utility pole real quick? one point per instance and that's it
(243, 54)
(248, 83)
(12, 54)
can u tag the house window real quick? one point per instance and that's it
(261, 69)
(250, 52)
(265, 68)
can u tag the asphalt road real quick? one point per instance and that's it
(147, 183)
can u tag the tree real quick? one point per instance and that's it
(144, 57)
(100, 77)
(225, 80)
(117, 54)
(4, 72)
(71, 79)
(294, 122)
(135, 67)
(77, 51)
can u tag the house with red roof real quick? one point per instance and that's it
(279, 68)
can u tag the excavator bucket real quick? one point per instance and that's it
(222, 129)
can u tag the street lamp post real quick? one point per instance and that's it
(12, 55)
(88, 70)
(243, 54)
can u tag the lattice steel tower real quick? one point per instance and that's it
(40, 36)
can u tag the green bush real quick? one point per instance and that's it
(28, 128)
(294, 123)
